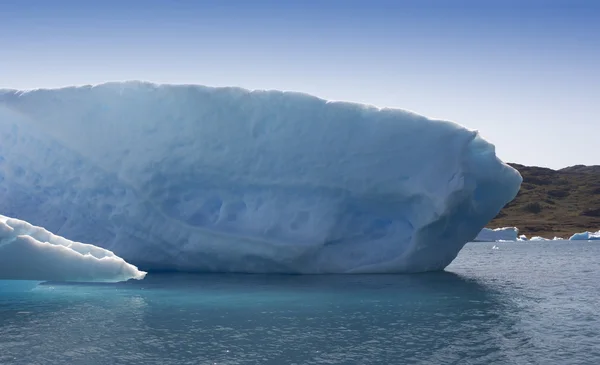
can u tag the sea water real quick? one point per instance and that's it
(515, 303)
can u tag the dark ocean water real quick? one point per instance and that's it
(523, 303)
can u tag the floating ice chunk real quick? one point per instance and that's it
(585, 236)
(193, 178)
(538, 238)
(522, 238)
(32, 253)
(498, 234)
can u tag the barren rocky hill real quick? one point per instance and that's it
(554, 202)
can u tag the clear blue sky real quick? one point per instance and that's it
(526, 74)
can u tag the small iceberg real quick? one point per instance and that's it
(28, 252)
(506, 234)
(586, 236)
(538, 238)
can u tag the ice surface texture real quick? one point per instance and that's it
(195, 178)
(32, 253)
(498, 234)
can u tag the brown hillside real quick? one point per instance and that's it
(554, 203)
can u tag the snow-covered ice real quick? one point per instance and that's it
(498, 234)
(28, 252)
(585, 236)
(195, 178)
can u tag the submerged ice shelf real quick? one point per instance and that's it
(28, 252)
(194, 178)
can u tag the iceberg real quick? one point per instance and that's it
(585, 236)
(28, 252)
(202, 179)
(498, 234)
(538, 238)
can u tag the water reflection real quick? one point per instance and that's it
(497, 310)
(266, 319)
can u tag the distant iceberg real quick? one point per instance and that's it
(32, 253)
(538, 238)
(193, 178)
(498, 234)
(585, 236)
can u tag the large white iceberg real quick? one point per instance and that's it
(585, 236)
(195, 178)
(498, 234)
(28, 252)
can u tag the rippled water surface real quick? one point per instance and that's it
(523, 303)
